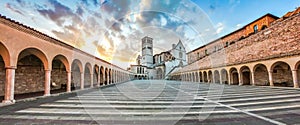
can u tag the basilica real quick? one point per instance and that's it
(158, 66)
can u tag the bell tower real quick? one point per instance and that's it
(147, 51)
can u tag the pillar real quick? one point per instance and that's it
(81, 80)
(69, 81)
(220, 74)
(47, 82)
(241, 81)
(9, 85)
(271, 78)
(252, 79)
(295, 79)
(92, 80)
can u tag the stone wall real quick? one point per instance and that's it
(279, 40)
(59, 76)
(29, 79)
(76, 76)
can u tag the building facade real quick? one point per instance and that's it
(158, 66)
(268, 57)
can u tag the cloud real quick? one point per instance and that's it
(219, 27)
(9, 7)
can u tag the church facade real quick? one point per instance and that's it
(158, 66)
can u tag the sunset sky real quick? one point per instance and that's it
(112, 29)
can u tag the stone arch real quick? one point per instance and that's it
(261, 76)
(110, 76)
(4, 53)
(200, 76)
(197, 76)
(210, 76)
(245, 73)
(106, 76)
(192, 77)
(87, 75)
(297, 69)
(234, 76)
(205, 76)
(217, 77)
(102, 75)
(59, 76)
(76, 78)
(224, 76)
(30, 73)
(96, 75)
(4, 62)
(282, 74)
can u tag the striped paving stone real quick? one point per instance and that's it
(161, 102)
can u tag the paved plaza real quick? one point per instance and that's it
(161, 102)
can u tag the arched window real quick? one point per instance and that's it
(255, 28)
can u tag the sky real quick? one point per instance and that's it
(113, 29)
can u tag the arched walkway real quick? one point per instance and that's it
(297, 68)
(197, 77)
(106, 77)
(87, 75)
(201, 77)
(210, 76)
(30, 74)
(245, 75)
(224, 76)
(261, 76)
(205, 76)
(217, 76)
(4, 61)
(96, 75)
(234, 76)
(2, 77)
(282, 74)
(76, 75)
(102, 75)
(59, 76)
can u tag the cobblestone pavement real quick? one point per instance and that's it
(161, 102)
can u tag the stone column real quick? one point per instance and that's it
(198, 76)
(271, 78)
(252, 79)
(92, 80)
(295, 78)
(9, 85)
(69, 80)
(221, 81)
(241, 81)
(82, 80)
(47, 82)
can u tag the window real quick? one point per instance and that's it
(255, 28)
(226, 44)
(149, 47)
(198, 55)
(206, 53)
